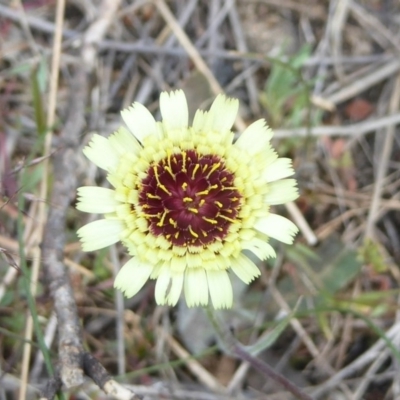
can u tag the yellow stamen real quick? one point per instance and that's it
(161, 222)
(211, 221)
(204, 233)
(173, 223)
(218, 204)
(214, 168)
(195, 170)
(228, 219)
(228, 188)
(169, 170)
(205, 192)
(150, 215)
(184, 161)
(184, 185)
(187, 200)
(153, 196)
(169, 159)
(193, 233)
(193, 210)
(176, 235)
(158, 181)
(202, 201)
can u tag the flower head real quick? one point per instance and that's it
(186, 200)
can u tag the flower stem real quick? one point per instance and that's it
(234, 348)
(267, 371)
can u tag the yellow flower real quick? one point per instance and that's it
(186, 200)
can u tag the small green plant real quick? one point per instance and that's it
(286, 95)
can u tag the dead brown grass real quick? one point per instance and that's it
(96, 58)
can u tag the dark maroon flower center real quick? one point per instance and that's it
(190, 198)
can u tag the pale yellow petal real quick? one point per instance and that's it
(222, 114)
(175, 289)
(99, 234)
(174, 109)
(178, 264)
(220, 288)
(260, 248)
(123, 141)
(139, 121)
(199, 120)
(281, 192)
(277, 227)
(245, 269)
(196, 287)
(168, 286)
(279, 169)
(96, 200)
(132, 276)
(255, 138)
(100, 153)
(162, 284)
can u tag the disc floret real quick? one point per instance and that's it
(190, 199)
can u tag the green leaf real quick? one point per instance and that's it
(370, 253)
(331, 266)
(100, 269)
(32, 177)
(42, 75)
(20, 69)
(266, 341)
(37, 81)
(286, 94)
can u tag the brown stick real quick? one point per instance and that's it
(63, 192)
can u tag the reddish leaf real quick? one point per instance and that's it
(358, 109)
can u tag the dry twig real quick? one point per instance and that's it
(74, 362)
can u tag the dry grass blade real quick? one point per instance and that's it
(383, 164)
(325, 76)
(42, 211)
